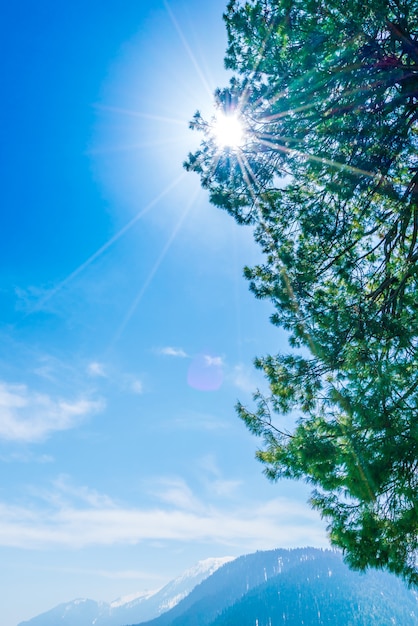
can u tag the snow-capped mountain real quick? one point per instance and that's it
(131, 609)
(293, 587)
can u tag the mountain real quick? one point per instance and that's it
(293, 587)
(274, 588)
(315, 594)
(129, 609)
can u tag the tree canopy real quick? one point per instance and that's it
(327, 174)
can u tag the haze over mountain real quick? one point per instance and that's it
(273, 588)
(128, 609)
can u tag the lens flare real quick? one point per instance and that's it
(205, 373)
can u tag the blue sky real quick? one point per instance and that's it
(127, 331)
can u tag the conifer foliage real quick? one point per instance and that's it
(327, 174)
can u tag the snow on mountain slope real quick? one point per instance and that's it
(131, 609)
(176, 590)
(132, 598)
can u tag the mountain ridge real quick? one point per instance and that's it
(141, 606)
(293, 587)
(282, 587)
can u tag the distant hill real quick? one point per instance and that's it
(134, 608)
(303, 586)
(294, 587)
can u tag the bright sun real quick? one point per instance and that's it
(228, 131)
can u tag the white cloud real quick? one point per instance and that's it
(96, 369)
(213, 361)
(170, 351)
(122, 380)
(28, 416)
(225, 488)
(86, 495)
(97, 520)
(257, 528)
(176, 492)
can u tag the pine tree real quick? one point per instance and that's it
(327, 174)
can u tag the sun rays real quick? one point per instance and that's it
(228, 131)
(110, 242)
(157, 135)
(234, 130)
(203, 79)
(154, 269)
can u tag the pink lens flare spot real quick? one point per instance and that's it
(205, 372)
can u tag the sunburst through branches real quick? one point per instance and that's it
(228, 131)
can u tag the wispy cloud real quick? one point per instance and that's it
(181, 517)
(83, 494)
(215, 481)
(26, 457)
(123, 381)
(28, 416)
(171, 351)
(55, 370)
(244, 378)
(136, 386)
(176, 492)
(213, 361)
(96, 369)
(124, 574)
